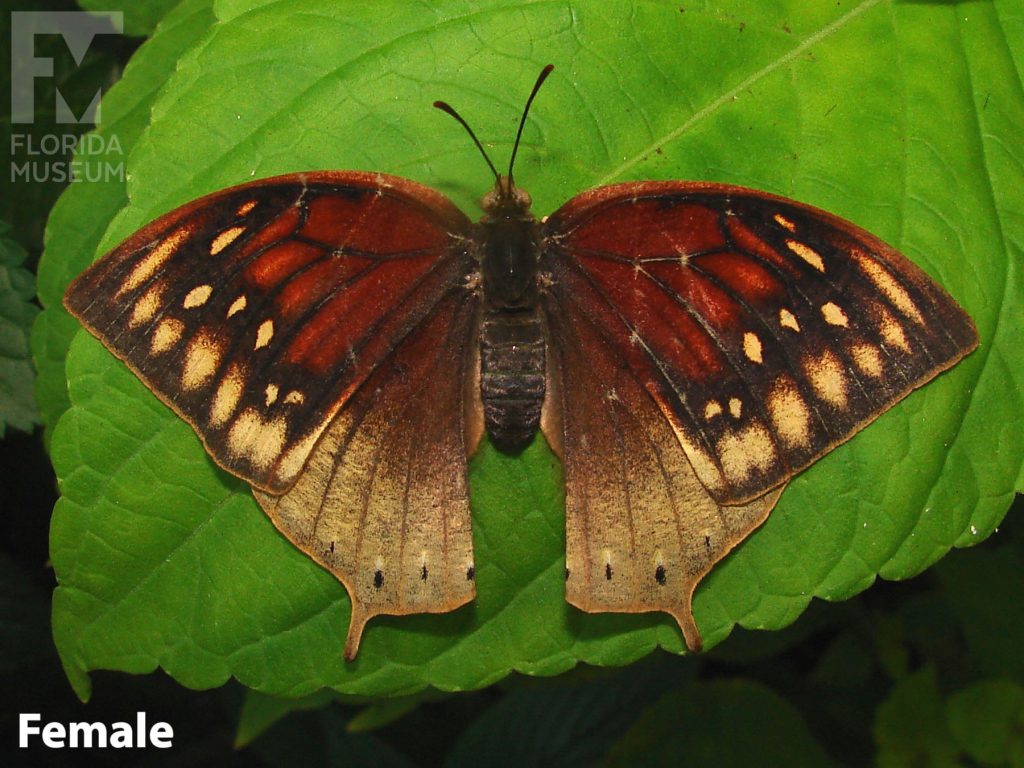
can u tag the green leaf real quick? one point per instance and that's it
(140, 16)
(910, 726)
(988, 604)
(567, 722)
(260, 712)
(17, 287)
(382, 713)
(987, 721)
(722, 724)
(165, 561)
(321, 738)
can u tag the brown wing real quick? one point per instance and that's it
(257, 311)
(315, 330)
(767, 331)
(641, 529)
(383, 502)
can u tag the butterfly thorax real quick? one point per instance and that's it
(512, 331)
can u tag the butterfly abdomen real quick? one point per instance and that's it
(512, 375)
(512, 331)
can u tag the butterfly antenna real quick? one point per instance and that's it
(446, 107)
(522, 121)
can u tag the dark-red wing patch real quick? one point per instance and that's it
(256, 312)
(766, 331)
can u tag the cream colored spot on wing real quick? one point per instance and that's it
(712, 409)
(789, 413)
(788, 320)
(264, 334)
(153, 260)
(292, 462)
(892, 330)
(746, 450)
(892, 334)
(146, 307)
(752, 347)
(197, 296)
(703, 464)
(807, 253)
(827, 378)
(785, 223)
(229, 392)
(224, 239)
(735, 407)
(889, 287)
(271, 393)
(834, 314)
(260, 440)
(167, 334)
(201, 361)
(237, 305)
(868, 359)
(245, 208)
(295, 397)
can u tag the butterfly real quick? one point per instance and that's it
(342, 341)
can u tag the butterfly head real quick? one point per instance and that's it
(506, 199)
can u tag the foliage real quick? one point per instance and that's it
(17, 288)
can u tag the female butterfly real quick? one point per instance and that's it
(342, 340)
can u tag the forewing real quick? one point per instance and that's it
(383, 502)
(766, 331)
(641, 530)
(258, 311)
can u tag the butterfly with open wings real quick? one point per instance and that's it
(342, 340)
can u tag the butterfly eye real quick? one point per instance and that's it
(491, 200)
